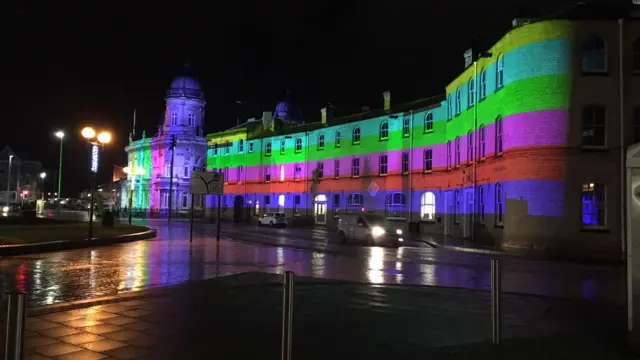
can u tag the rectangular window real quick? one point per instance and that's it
(296, 204)
(225, 174)
(320, 170)
(382, 165)
(267, 200)
(405, 163)
(456, 210)
(594, 126)
(185, 200)
(481, 204)
(192, 119)
(499, 137)
(499, 205)
(186, 171)
(267, 149)
(448, 155)
(483, 84)
(336, 202)
(482, 145)
(472, 92)
(457, 157)
(240, 145)
(239, 173)
(469, 147)
(267, 174)
(594, 205)
(336, 169)
(297, 172)
(428, 160)
(226, 149)
(282, 147)
(250, 146)
(355, 167)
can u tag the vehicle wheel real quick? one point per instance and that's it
(271, 223)
(342, 238)
(369, 240)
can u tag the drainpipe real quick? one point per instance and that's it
(410, 170)
(475, 144)
(307, 203)
(622, 148)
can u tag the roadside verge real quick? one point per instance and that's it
(22, 249)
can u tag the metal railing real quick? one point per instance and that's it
(16, 316)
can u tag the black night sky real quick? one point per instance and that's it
(71, 64)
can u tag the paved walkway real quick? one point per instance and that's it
(238, 317)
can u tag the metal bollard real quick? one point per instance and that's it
(16, 316)
(287, 315)
(496, 315)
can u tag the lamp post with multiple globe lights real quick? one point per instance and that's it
(42, 176)
(60, 135)
(132, 174)
(96, 140)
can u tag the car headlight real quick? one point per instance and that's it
(5, 209)
(377, 231)
(399, 232)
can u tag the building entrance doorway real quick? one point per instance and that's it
(238, 208)
(320, 209)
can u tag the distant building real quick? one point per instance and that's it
(524, 150)
(25, 177)
(149, 158)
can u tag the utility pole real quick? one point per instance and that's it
(9, 182)
(172, 147)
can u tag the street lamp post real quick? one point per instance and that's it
(9, 182)
(60, 135)
(139, 171)
(42, 176)
(104, 137)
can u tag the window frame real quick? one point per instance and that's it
(267, 149)
(594, 109)
(355, 167)
(500, 72)
(267, 174)
(590, 187)
(383, 131)
(499, 204)
(483, 84)
(499, 136)
(355, 135)
(337, 139)
(590, 40)
(428, 207)
(321, 142)
(404, 160)
(427, 160)
(471, 87)
(406, 127)
(298, 145)
(428, 122)
(283, 145)
(383, 165)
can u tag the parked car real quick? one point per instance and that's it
(371, 229)
(273, 219)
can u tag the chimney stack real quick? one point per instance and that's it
(387, 100)
(326, 114)
(267, 120)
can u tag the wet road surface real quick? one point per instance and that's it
(170, 259)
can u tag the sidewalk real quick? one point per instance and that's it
(239, 317)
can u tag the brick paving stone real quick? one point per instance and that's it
(139, 325)
(36, 357)
(62, 316)
(80, 338)
(82, 322)
(82, 355)
(58, 331)
(127, 352)
(101, 316)
(119, 320)
(102, 345)
(132, 303)
(101, 329)
(56, 349)
(38, 340)
(137, 312)
(35, 324)
(114, 308)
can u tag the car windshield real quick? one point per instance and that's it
(374, 219)
(279, 215)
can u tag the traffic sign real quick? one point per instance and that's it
(206, 183)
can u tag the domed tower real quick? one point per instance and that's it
(185, 106)
(287, 112)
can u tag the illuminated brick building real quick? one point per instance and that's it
(523, 150)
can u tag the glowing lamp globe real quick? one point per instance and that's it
(104, 137)
(60, 134)
(88, 133)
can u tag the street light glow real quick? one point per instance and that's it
(60, 134)
(88, 133)
(140, 171)
(126, 170)
(43, 175)
(104, 137)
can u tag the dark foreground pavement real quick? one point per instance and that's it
(239, 317)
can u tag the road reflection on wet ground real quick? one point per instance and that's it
(170, 259)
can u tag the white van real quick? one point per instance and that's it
(369, 228)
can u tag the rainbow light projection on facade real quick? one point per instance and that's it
(533, 107)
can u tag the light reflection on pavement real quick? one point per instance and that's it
(170, 259)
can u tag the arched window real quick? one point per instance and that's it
(457, 155)
(320, 142)
(499, 137)
(337, 142)
(406, 126)
(355, 136)
(282, 147)
(298, 144)
(267, 149)
(499, 204)
(483, 84)
(384, 130)
(450, 107)
(428, 122)
(428, 206)
(395, 204)
(636, 55)
(449, 155)
(281, 172)
(458, 107)
(594, 55)
(472, 91)
(281, 202)
(500, 72)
